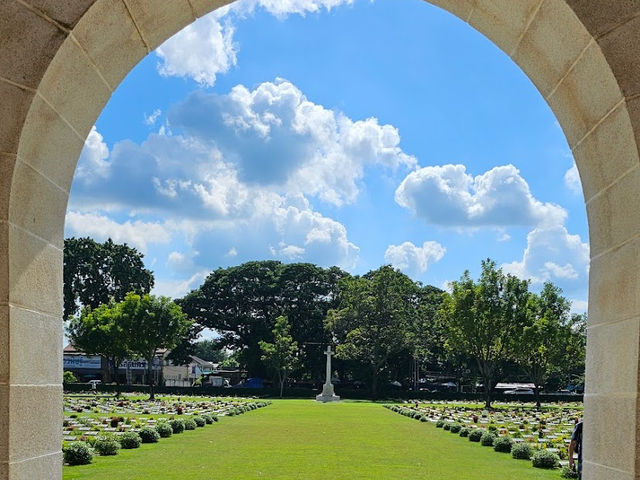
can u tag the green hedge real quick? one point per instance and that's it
(310, 393)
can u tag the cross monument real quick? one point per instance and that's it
(328, 395)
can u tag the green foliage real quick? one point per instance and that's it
(155, 323)
(189, 424)
(149, 435)
(568, 472)
(521, 451)
(242, 303)
(487, 439)
(69, 377)
(207, 418)
(130, 440)
(95, 273)
(77, 453)
(545, 459)
(483, 318)
(549, 343)
(106, 444)
(455, 428)
(210, 350)
(440, 424)
(476, 434)
(281, 355)
(164, 429)
(373, 319)
(464, 432)
(102, 331)
(200, 422)
(503, 444)
(177, 426)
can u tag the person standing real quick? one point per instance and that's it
(576, 447)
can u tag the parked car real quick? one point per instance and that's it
(519, 391)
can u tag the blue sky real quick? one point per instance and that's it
(354, 133)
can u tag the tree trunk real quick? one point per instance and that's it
(536, 393)
(152, 395)
(488, 390)
(374, 383)
(281, 379)
(486, 371)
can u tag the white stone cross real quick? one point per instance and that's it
(328, 395)
(328, 353)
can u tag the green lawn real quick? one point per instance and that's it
(300, 439)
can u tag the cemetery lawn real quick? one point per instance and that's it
(301, 439)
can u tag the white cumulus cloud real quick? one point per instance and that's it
(284, 8)
(178, 288)
(448, 196)
(413, 259)
(553, 254)
(201, 51)
(93, 164)
(274, 135)
(206, 48)
(100, 227)
(572, 180)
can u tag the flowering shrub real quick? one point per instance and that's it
(545, 459)
(130, 440)
(106, 445)
(77, 453)
(503, 444)
(177, 426)
(476, 435)
(164, 429)
(149, 435)
(521, 451)
(487, 439)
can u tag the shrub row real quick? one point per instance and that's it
(82, 452)
(520, 451)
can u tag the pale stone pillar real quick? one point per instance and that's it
(59, 63)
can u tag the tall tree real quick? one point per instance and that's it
(282, 354)
(483, 318)
(544, 344)
(96, 272)
(242, 302)
(101, 331)
(157, 323)
(372, 321)
(426, 334)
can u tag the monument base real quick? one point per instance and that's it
(327, 398)
(327, 394)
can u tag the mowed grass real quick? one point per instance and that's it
(301, 439)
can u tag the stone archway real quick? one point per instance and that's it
(59, 64)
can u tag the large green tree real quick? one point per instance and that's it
(282, 354)
(101, 331)
(426, 333)
(484, 320)
(544, 346)
(242, 303)
(371, 324)
(156, 323)
(95, 273)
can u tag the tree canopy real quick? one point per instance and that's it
(95, 273)
(484, 319)
(282, 354)
(242, 303)
(156, 323)
(373, 319)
